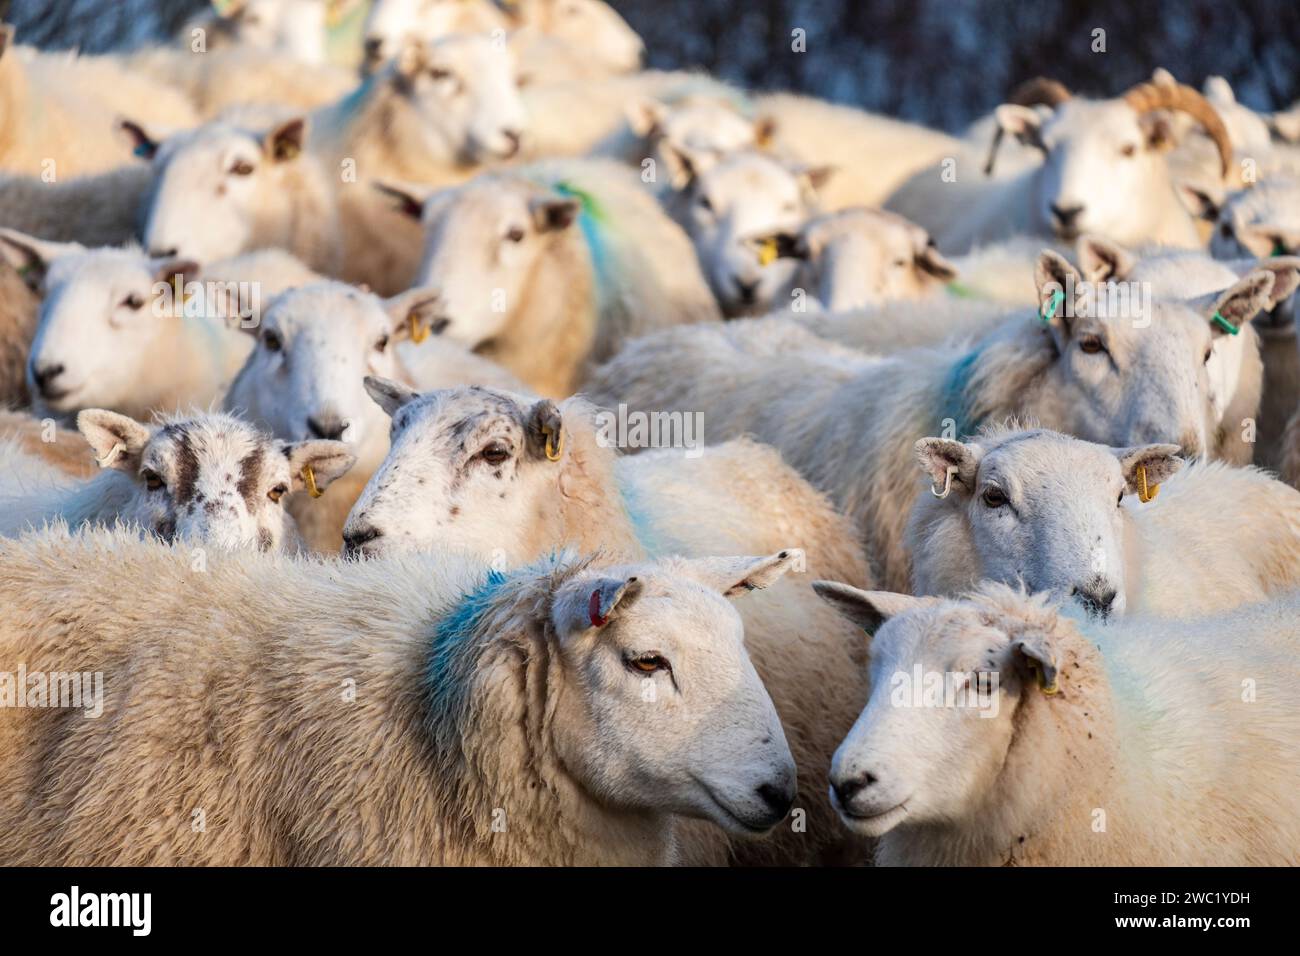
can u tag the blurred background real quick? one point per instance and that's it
(939, 62)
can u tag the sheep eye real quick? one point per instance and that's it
(1128, 149)
(495, 453)
(271, 341)
(515, 235)
(1091, 345)
(133, 301)
(241, 168)
(152, 480)
(648, 663)
(900, 263)
(381, 344)
(994, 498)
(1120, 500)
(705, 204)
(276, 493)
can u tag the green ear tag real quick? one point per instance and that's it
(1057, 298)
(1224, 324)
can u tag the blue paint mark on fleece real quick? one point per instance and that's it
(955, 404)
(447, 671)
(591, 221)
(639, 517)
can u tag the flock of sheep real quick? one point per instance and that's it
(993, 433)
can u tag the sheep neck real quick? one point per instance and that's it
(190, 356)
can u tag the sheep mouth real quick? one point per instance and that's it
(876, 823)
(732, 819)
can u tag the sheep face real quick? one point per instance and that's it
(669, 715)
(466, 468)
(590, 26)
(485, 242)
(315, 345)
(295, 27)
(98, 320)
(463, 88)
(947, 679)
(1035, 508)
(391, 22)
(213, 186)
(1135, 373)
(742, 198)
(212, 480)
(1101, 162)
(857, 258)
(690, 136)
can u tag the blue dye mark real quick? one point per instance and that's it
(955, 404)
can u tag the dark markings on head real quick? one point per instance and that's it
(264, 540)
(250, 476)
(187, 468)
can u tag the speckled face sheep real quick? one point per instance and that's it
(315, 346)
(213, 479)
(743, 197)
(463, 89)
(221, 189)
(1104, 168)
(1034, 507)
(855, 258)
(390, 22)
(106, 317)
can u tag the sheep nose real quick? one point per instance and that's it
(1096, 597)
(44, 376)
(748, 291)
(514, 138)
(163, 253)
(1065, 216)
(373, 47)
(330, 427)
(356, 539)
(779, 797)
(846, 790)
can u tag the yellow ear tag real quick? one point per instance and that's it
(767, 251)
(1146, 494)
(1048, 689)
(309, 478)
(178, 287)
(553, 454)
(419, 331)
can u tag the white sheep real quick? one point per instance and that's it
(585, 710)
(305, 379)
(38, 454)
(513, 479)
(548, 268)
(1117, 530)
(112, 331)
(99, 209)
(1104, 171)
(293, 28)
(390, 23)
(1149, 742)
(58, 111)
(210, 479)
(849, 429)
(20, 308)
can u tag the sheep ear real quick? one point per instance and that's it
(735, 576)
(941, 457)
(410, 58)
(1203, 202)
(684, 167)
(645, 116)
(387, 394)
(1059, 287)
(416, 313)
(582, 605)
(407, 200)
(1218, 89)
(328, 461)
(32, 256)
(1286, 274)
(930, 261)
(1232, 309)
(867, 609)
(1022, 122)
(765, 132)
(285, 142)
(117, 440)
(1160, 461)
(815, 177)
(1033, 653)
(550, 215)
(545, 430)
(1101, 260)
(143, 143)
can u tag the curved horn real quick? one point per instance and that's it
(1146, 97)
(1039, 91)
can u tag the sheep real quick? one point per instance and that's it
(101, 209)
(1136, 743)
(230, 187)
(548, 268)
(61, 452)
(20, 308)
(559, 715)
(210, 479)
(390, 23)
(57, 111)
(1104, 171)
(512, 479)
(743, 197)
(304, 379)
(1049, 511)
(113, 333)
(294, 28)
(1053, 368)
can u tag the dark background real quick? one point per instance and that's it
(939, 62)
